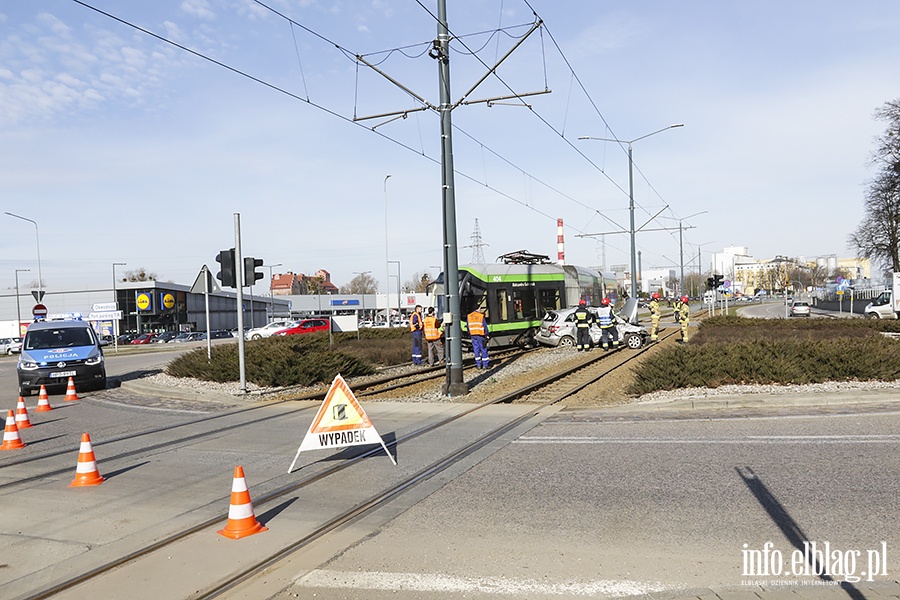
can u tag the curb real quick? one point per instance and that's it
(140, 388)
(842, 398)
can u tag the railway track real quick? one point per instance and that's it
(536, 398)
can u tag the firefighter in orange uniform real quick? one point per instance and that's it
(654, 317)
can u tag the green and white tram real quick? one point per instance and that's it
(517, 296)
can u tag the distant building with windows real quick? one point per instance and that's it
(298, 284)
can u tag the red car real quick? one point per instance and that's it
(305, 326)
(144, 338)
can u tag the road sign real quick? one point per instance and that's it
(211, 286)
(38, 295)
(104, 306)
(726, 284)
(105, 315)
(39, 311)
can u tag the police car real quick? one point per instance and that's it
(55, 350)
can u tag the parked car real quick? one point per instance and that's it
(558, 327)
(126, 338)
(144, 338)
(267, 330)
(305, 326)
(800, 309)
(220, 334)
(164, 337)
(184, 337)
(10, 345)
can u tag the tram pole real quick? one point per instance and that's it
(455, 386)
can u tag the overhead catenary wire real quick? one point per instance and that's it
(421, 152)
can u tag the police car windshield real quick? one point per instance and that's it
(64, 337)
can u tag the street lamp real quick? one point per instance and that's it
(398, 285)
(681, 244)
(271, 291)
(38, 237)
(631, 193)
(387, 267)
(363, 292)
(116, 302)
(115, 297)
(18, 310)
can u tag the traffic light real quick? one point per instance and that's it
(711, 283)
(226, 275)
(250, 274)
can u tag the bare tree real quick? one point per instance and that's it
(313, 284)
(141, 274)
(417, 283)
(878, 235)
(363, 283)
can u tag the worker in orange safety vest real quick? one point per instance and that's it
(434, 331)
(477, 324)
(416, 326)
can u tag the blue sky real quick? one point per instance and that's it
(124, 148)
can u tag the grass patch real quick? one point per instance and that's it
(735, 350)
(297, 359)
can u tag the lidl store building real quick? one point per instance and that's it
(163, 306)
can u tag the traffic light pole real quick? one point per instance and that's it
(239, 280)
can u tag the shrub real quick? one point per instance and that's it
(735, 350)
(297, 359)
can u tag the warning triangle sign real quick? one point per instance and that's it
(340, 411)
(340, 422)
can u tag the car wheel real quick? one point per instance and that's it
(872, 315)
(634, 341)
(255, 336)
(567, 342)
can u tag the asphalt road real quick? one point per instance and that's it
(585, 506)
(118, 364)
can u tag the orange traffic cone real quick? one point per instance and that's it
(86, 472)
(11, 439)
(43, 401)
(70, 391)
(241, 520)
(22, 421)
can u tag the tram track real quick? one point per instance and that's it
(363, 388)
(539, 396)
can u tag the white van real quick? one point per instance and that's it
(881, 307)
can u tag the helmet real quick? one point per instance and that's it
(605, 302)
(582, 302)
(655, 296)
(684, 298)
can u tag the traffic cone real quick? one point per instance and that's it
(70, 391)
(11, 439)
(43, 401)
(22, 421)
(86, 472)
(241, 520)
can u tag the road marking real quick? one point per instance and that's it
(436, 582)
(751, 439)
